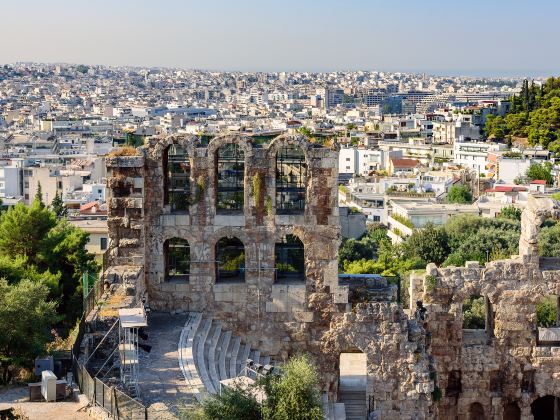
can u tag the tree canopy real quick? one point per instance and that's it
(534, 115)
(26, 316)
(459, 194)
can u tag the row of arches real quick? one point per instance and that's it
(230, 265)
(543, 408)
(290, 176)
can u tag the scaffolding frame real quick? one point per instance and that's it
(130, 321)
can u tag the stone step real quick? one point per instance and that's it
(212, 359)
(187, 359)
(223, 347)
(233, 358)
(265, 360)
(243, 355)
(200, 352)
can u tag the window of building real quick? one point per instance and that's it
(177, 254)
(376, 218)
(177, 178)
(289, 263)
(230, 167)
(291, 174)
(103, 243)
(230, 260)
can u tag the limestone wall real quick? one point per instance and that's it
(312, 316)
(504, 363)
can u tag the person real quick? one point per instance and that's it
(420, 313)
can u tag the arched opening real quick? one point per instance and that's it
(289, 263)
(230, 174)
(291, 174)
(512, 412)
(177, 253)
(177, 174)
(476, 411)
(546, 408)
(230, 260)
(352, 384)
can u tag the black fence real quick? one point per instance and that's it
(113, 401)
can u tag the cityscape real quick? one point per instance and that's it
(248, 231)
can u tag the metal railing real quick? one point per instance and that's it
(112, 400)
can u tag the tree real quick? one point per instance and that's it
(510, 212)
(26, 317)
(22, 230)
(547, 312)
(539, 171)
(459, 194)
(293, 395)
(474, 313)
(39, 195)
(430, 244)
(58, 206)
(230, 404)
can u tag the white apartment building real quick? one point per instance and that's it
(11, 180)
(474, 154)
(404, 216)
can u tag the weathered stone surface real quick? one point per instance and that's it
(279, 319)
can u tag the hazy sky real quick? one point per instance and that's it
(505, 37)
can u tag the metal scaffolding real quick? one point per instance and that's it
(130, 320)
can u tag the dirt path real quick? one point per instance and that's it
(18, 397)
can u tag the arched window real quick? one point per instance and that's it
(476, 411)
(177, 254)
(177, 178)
(230, 173)
(512, 412)
(289, 261)
(291, 173)
(230, 260)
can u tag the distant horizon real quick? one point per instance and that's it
(475, 73)
(502, 38)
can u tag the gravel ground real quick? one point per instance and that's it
(18, 397)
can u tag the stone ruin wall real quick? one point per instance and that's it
(502, 365)
(278, 319)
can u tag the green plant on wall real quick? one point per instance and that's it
(200, 187)
(257, 188)
(268, 205)
(431, 283)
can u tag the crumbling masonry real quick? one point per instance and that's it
(238, 196)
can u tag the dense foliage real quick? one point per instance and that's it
(41, 263)
(459, 194)
(538, 171)
(463, 238)
(292, 394)
(474, 313)
(26, 316)
(534, 114)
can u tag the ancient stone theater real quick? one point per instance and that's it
(237, 237)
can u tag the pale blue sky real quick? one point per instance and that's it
(510, 37)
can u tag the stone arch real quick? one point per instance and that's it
(229, 190)
(177, 173)
(158, 146)
(512, 411)
(230, 260)
(545, 408)
(476, 411)
(289, 259)
(285, 139)
(533, 216)
(177, 259)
